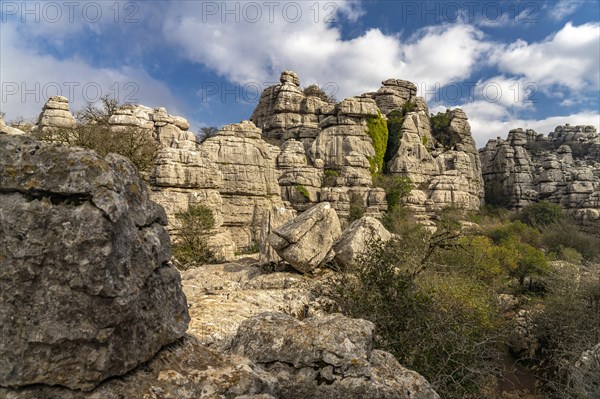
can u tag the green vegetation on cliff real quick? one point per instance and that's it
(378, 131)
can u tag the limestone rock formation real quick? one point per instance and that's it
(356, 238)
(184, 370)
(393, 94)
(562, 167)
(326, 358)
(250, 188)
(306, 241)
(284, 111)
(5, 129)
(55, 115)
(86, 287)
(446, 169)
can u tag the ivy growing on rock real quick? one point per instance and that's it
(378, 131)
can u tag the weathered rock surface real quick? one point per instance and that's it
(86, 287)
(327, 357)
(55, 116)
(186, 369)
(446, 170)
(356, 238)
(338, 148)
(221, 297)
(393, 94)
(250, 188)
(5, 129)
(285, 112)
(306, 241)
(563, 167)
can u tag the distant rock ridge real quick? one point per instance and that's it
(563, 167)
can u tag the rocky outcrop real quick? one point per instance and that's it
(86, 286)
(306, 241)
(445, 169)
(356, 238)
(55, 116)
(5, 129)
(285, 112)
(250, 188)
(562, 167)
(394, 94)
(186, 369)
(328, 357)
(444, 166)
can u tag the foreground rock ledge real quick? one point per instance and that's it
(86, 288)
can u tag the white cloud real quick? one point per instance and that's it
(563, 8)
(569, 58)
(28, 77)
(258, 51)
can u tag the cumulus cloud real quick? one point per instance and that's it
(257, 50)
(569, 58)
(29, 76)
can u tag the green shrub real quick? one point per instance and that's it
(302, 190)
(569, 235)
(541, 214)
(440, 130)
(329, 177)
(357, 207)
(394, 123)
(396, 188)
(378, 131)
(93, 132)
(192, 245)
(568, 326)
(442, 326)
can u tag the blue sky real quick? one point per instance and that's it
(507, 63)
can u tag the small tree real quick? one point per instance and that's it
(315, 91)
(207, 132)
(192, 243)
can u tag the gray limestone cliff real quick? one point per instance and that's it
(563, 167)
(335, 165)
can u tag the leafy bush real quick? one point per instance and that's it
(569, 235)
(440, 124)
(541, 214)
(192, 245)
(394, 123)
(568, 326)
(442, 326)
(378, 131)
(396, 188)
(357, 207)
(329, 177)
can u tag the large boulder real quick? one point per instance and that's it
(186, 369)
(328, 357)
(86, 288)
(306, 241)
(356, 238)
